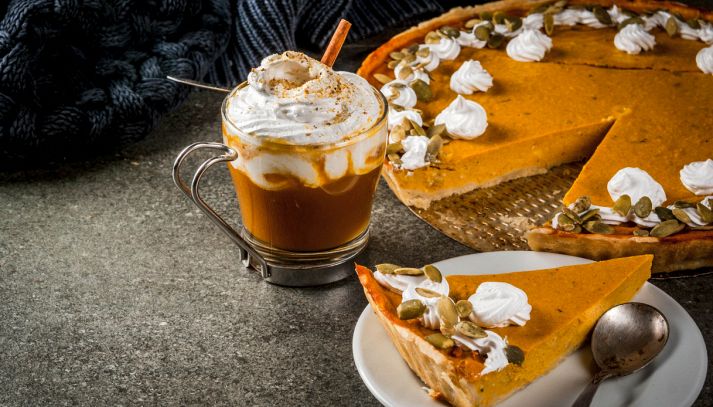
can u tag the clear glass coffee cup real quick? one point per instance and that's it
(305, 208)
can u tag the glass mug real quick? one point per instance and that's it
(305, 209)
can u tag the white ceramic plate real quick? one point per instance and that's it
(674, 378)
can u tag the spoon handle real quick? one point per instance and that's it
(585, 398)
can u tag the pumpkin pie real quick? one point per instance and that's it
(558, 325)
(584, 100)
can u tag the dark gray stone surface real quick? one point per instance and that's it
(114, 289)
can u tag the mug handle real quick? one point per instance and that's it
(247, 253)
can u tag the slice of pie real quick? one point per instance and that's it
(566, 302)
(585, 99)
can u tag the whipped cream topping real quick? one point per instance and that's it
(636, 183)
(430, 318)
(468, 39)
(529, 46)
(533, 21)
(617, 16)
(693, 215)
(497, 305)
(399, 93)
(299, 100)
(567, 17)
(415, 74)
(588, 18)
(463, 118)
(492, 345)
(471, 77)
(697, 177)
(608, 215)
(398, 282)
(429, 62)
(704, 60)
(415, 148)
(633, 39)
(447, 48)
(397, 117)
(503, 30)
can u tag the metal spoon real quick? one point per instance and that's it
(625, 339)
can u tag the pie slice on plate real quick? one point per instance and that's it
(566, 303)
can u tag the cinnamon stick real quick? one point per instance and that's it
(335, 44)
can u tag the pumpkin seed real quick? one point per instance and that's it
(447, 312)
(434, 146)
(664, 213)
(417, 130)
(513, 23)
(498, 17)
(681, 215)
(423, 52)
(515, 355)
(643, 207)
(408, 271)
(423, 91)
(667, 228)
(590, 215)
(449, 31)
(396, 55)
(694, 23)
(598, 227)
(671, 26)
(382, 78)
(397, 134)
(433, 38)
(683, 204)
(395, 159)
(405, 72)
(622, 206)
(549, 21)
(394, 148)
(470, 330)
(432, 273)
(395, 93)
(601, 15)
(563, 220)
(641, 232)
(486, 15)
(409, 58)
(411, 49)
(425, 292)
(387, 268)
(582, 204)
(630, 20)
(472, 22)
(464, 308)
(435, 130)
(482, 32)
(705, 212)
(702, 228)
(440, 341)
(495, 40)
(410, 309)
(572, 215)
(392, 64)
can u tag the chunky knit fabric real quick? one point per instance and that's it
(78, 76)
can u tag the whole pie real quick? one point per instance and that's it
(486, 94)
(553, 327)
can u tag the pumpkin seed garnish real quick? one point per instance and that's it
(482, 32)
(387, 268)
(423, 91)
(513, 23)
(423, 52)
(382, 78)
(472, 22)
(408, 271)
(498, 17)
(630, 20)
(396, 55)
(418, 130)
(641, 232)
(582, 204)
(433, 37)
(594, 226)
(671, 26)
(683, 204)
(470, 330)
(395, 159)
(667, 228)
(702, 228)
(432, 273)
(425, 292)
(590, 215)
(549, 22)
(601, 15)
(643, 207)
(392, 64)
(447, 312)
(486, 15)
(410, 309)
(405, 72)
(681, 215)
(705, 212)
(564, 220)
(622, 206)
(694, 23)
(411, 49)
(664, 213)
(464, 308)
(449, 31)
(495, 40)
(394, 148)
(435, 130)
(434, 146)
(572, 214)
(440, 341)
(515, 355)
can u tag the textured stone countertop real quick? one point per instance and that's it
(114, 289)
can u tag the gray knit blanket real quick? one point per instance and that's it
(78, 77)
